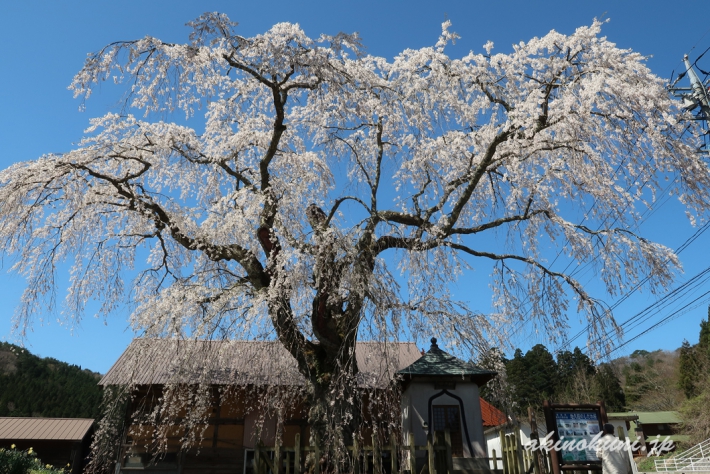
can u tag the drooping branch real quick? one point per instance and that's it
(144, 205)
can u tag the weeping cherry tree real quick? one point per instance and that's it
(310, 193)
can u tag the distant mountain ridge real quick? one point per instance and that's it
(35, 386)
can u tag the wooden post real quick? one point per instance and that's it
(503, 452)
(316, 451)
(376, 457)
(449, 460)
(356, 456)
(297, 455)
(550, 422)
(412, 454)
(509, 463)
(257, 458)
(534, 435)
(495, 460)
(510, 459)
(430, 452)
(519, 451)
(393, 454)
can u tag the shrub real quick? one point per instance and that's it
(14, 461)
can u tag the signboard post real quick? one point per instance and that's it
(574, 426)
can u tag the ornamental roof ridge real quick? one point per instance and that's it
(437, 362)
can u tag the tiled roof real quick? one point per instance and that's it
(491, 415)
(64, 429)
(162, 361)
(437, 362)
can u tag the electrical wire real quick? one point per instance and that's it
(668, 318)
(627, 295)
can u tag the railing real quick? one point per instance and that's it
(701, 450)
(685, 464)
(696, 458)
(391, 458)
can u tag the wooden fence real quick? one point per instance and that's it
(395, 458)
(392, 458)
(517, 459)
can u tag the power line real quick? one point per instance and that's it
(627, 295)
(666, 304)
(664, 320)
(688, 287)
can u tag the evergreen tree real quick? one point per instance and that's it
(531, 377)
(543, 372)
(535, 376)
(639, 375)
(32, 386)
(571, 365)
(704, 339)
(688, 369)
(607, 387)
(519, 381)
(696, 408)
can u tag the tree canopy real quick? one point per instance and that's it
(317, 194)
(528, 379)
(693, 379)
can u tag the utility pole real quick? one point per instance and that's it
(695, 98)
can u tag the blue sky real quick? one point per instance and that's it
(43, 43)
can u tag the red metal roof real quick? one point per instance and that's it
(491, 415)
(64, 429)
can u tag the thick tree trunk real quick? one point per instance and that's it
(334, 407)
(327, 361)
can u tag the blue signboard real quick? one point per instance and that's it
(576, 430)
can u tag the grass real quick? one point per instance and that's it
(648, 464)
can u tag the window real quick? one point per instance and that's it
(447, 417)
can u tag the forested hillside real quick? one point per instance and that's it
(650, 380)
(694, 380)
(527, 379)
(643, 381)
(33, 386)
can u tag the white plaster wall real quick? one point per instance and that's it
(622, 424)
(493, 442)
(415, 410)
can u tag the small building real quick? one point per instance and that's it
(441, 392)
(623, 423)
(652, 425)
(61, 442)
(437, 392)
